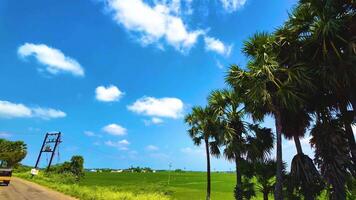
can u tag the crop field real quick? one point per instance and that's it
(181, 186)
(144, 186)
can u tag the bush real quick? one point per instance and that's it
(73, 168)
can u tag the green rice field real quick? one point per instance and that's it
(181, 186)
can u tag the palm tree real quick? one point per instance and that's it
(332, 153)
(268, 88)
(203, 128)
(265, 173)
(243, 142)
(326, 33)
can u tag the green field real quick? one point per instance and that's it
(182, 186)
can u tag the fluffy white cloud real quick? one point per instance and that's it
(48, 113)
(154, 120)
(54, 60)
(152, 148)
(12, 110)
(215, 45)
(154, 23)
(115, 129)
(232, 5)
(107, 94)
(121, 145)
(163, 107)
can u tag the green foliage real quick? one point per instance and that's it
(69, 171)
(12, 152)
(77, 166)
(265, 175)
(22, 168)
(332, 155)
(305, 177)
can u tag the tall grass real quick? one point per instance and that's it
(64, 184)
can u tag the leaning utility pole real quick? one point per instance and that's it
(49, 145)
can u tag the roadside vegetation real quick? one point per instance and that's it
(12, 152)
(303, 75)
(66, 178)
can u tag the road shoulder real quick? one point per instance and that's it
(20, 189)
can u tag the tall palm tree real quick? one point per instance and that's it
(326, 33)
(332, 153)
(268, 88)
(203, 128)
(243, 142)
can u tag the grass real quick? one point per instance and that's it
(186, 185)
(91, 192)
(143, 186)
(153, 186)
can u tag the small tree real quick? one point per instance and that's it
(77, 166)
(12, 152)
(265, 173)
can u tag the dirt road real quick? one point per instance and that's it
(20, 189)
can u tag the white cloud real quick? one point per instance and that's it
(12, 110)
(92, 134)
(115, 129)
(48, 113)
(89, 133)
(107, 94)
(5, 135)
(193, 151)
(154, 23)
(121, 145)
(232, 5)
(219, 64)
(54, 60)
(152, 148)
(154, 120)
(215, 45)
(163, 107)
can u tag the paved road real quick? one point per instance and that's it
(20, 189)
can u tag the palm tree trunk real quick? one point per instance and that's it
(238, 188)
(208, 169)
(279, 180)
(265, 195)
(349, 133)
(298, 146)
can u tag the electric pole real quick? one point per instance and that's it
(49, 145)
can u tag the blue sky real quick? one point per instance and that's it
(117, 76)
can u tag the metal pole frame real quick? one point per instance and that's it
(54, 149)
